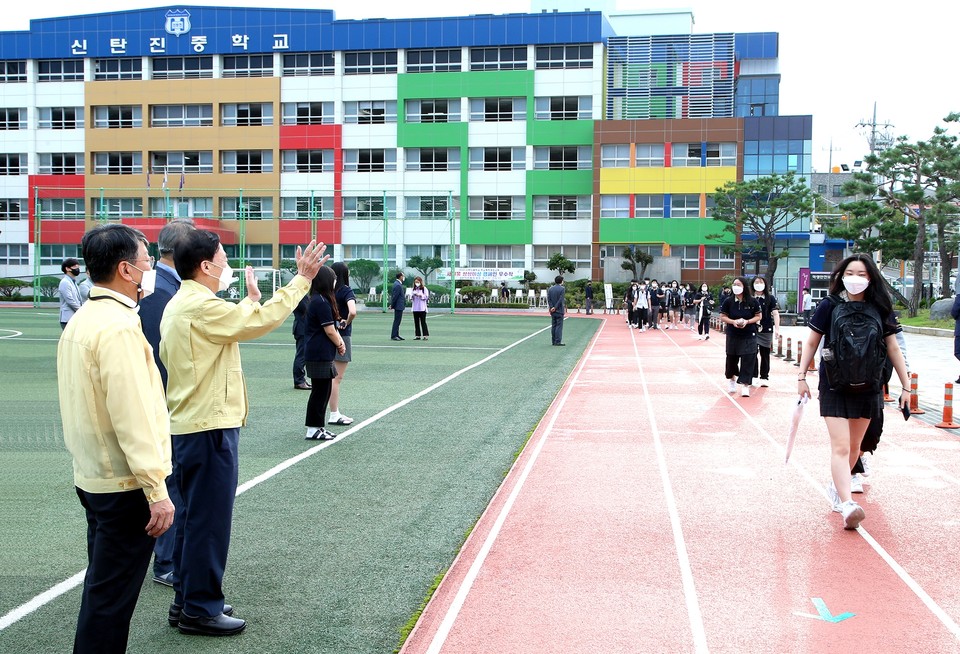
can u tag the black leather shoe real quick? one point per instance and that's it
(395, 338)
(303, 386)
(218, 625)
(173, 615)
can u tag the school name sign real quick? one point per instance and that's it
(482, 274)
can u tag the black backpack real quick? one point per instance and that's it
(855, 356)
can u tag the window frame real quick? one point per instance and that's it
(433, 66)
(135, 118)
(60, 118)
(498, 58)
(191, 115)
(118, 68)
(246, 114)
(565, 56)
(236, 66)
(116, 163)
(190, 67)
(556, 207)
(369, 62)
(378, 112)
(324, 67)
(246, 162)
(67, 70)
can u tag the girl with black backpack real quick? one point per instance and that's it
(847, 404)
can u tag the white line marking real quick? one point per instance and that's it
(49, 595)
(921, 594)
(13, 333)
(686, 572)
(440, 637)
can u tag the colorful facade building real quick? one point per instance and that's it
(501, 139)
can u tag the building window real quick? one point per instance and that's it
(497, 207)
(181, 207)
(721, 154)
(433, 111)
(648, 206)
(247, 114)
(716, 259)
(181, 115)
(13, 164)
(433, 159)
(378, 62)
(117, 163)
(558, 157)
(507, 58)
(561, 207)
(249, 208)
(61, 209)
(116, 208)
(107, 69)
(307, 161)
(370, 112)
(498, 110)
(181, 162)
(60, 117)
(564, 108)
(427, 207)
(60, 163)
(495, 256)
(428, 251)
(650, 155)
(369, 160)
(822, 189)
(498, 158)
(12, 118)
(117, 116)
(689, 256)
(246, 161)
(53, 255)
(308, 64)
(13, 209)
(14, 254)
(686, 154)
(13, 71)
(248, 65)
(836, 191)
(564, 56)
(182, 67)
(306, 208)
(615, 156)
(307, 113)
(578, 254)
(371, 252)
(614, 206)
(60, 70)
(684, 206)
(369, 207)
(433, 61)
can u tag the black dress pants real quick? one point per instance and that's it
(118, 554)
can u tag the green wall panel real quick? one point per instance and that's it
(473, 84)
(676, 231)
(559, 132)
(559, 182)
(496, 232)
(431, 135)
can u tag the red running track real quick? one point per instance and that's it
(651, 511)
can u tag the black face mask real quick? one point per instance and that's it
(75, 272)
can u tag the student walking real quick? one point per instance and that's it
(768, 329)
(642, 306)
(850, 373)
(323, 344)
(420, 296)
(741, 313)
(704, 304)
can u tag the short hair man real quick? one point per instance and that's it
(398, 302)
(151, 310)
(69, 290)
(556, 301)
(116, 428)
(206, 394)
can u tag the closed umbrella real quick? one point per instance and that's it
(795, 424)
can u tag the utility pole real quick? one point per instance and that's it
(879, 140)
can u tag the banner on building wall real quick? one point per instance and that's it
(482, 274)
(803, 281)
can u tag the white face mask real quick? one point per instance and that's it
(855, 285)
(737, 290)
(759, 288)
(148, 282)
(226, 277)
(704, 289)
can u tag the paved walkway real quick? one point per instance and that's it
(652, 512)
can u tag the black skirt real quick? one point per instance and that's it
(850, 405)
(321, 369)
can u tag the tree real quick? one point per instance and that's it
(561, 264)
(10, 287)
(424, 265)
(632, 257)
(528, 278)
(363, 272)
(763, 206)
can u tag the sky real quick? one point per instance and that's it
(837, 59)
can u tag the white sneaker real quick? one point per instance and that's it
(764, 382)
(834, 498)
(866, 461)
(744, 390)
(699, 338)
(731, 385)
(856, 483)
(852, 514)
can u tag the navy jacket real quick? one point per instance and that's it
(556, 299)
(151, 311)
(398, 300)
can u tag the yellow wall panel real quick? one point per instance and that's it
(665, 180)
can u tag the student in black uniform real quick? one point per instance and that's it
(656, 298)
(703, 301)
(768, 329)
(740, 313)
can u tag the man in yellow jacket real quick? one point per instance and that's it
(200, 335)
(116, 428)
